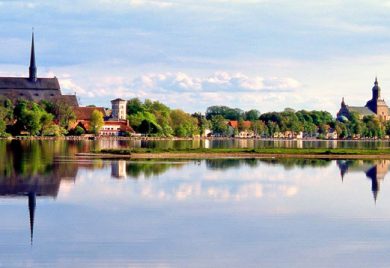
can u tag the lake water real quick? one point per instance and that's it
(56, 212)
(244, 143)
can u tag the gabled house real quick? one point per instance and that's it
(245, 132)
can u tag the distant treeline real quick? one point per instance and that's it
(154, 118)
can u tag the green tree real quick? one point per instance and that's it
(373, 127)
(183, 124)
(2, 122)
(203, 123)
(31, 117)
(134, 106)
(252, 115)
(96, 122)
(218, 125)
(225, 112)
(258, 127)
(54, 130)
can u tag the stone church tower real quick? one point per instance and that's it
(377, 104)
(119, 109)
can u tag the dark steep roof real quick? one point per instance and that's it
(360, 110)
(70, 100)
(26, 83)
(118, 99)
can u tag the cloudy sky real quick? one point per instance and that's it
(262, 54)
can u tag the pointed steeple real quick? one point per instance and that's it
(375, 194)
(31, 209)
(33, 67)
(343, 103)
(376, 90)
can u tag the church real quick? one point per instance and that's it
(376, 106)
(33, 88)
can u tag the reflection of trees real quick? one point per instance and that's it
(230, 163)
(28, 168)
(289, 163)
(150, 168)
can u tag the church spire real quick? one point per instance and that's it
(342, 102)
(31, 208)
(376, 90)
(33, 67)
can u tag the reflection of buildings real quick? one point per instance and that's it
(375, 171)
(118, 169)
(45, 184)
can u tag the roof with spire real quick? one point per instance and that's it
(369, 108)
(31, 82)
(33, 67)
(12, 87)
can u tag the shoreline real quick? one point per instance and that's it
(236, 154)
(146, 156)
(114, 138)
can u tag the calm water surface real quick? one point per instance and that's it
(56, 212)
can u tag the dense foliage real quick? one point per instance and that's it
(154, 118)
(34, 118)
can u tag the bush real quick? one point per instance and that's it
(54, 131)
(78, 131)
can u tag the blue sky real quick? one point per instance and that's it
(259, 54)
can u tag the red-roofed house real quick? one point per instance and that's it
(245, 132)
(83, 116)
(113, 126)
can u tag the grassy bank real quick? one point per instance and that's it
(200, 153)
(248, 151)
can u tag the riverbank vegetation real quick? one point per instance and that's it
(237, 151)
(155, 119)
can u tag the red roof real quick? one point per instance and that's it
(84, 113)
(234, 124)
(124, 126)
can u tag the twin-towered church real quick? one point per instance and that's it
(376, 106)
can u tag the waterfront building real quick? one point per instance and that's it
(115, 122)
(245, 132)
(376, 106)
(118, 169)
(118, 109)
(34, 88)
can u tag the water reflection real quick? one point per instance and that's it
(36, 174)
(374, 170)
(36, 177)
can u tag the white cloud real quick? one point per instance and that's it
(181, 90)
(138, 3)
(217, 82)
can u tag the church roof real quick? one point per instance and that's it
(26, 83)
(70, 100)
(84, 113)
(118, 99)
(362, 110)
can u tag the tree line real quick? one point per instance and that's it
(154, 118)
